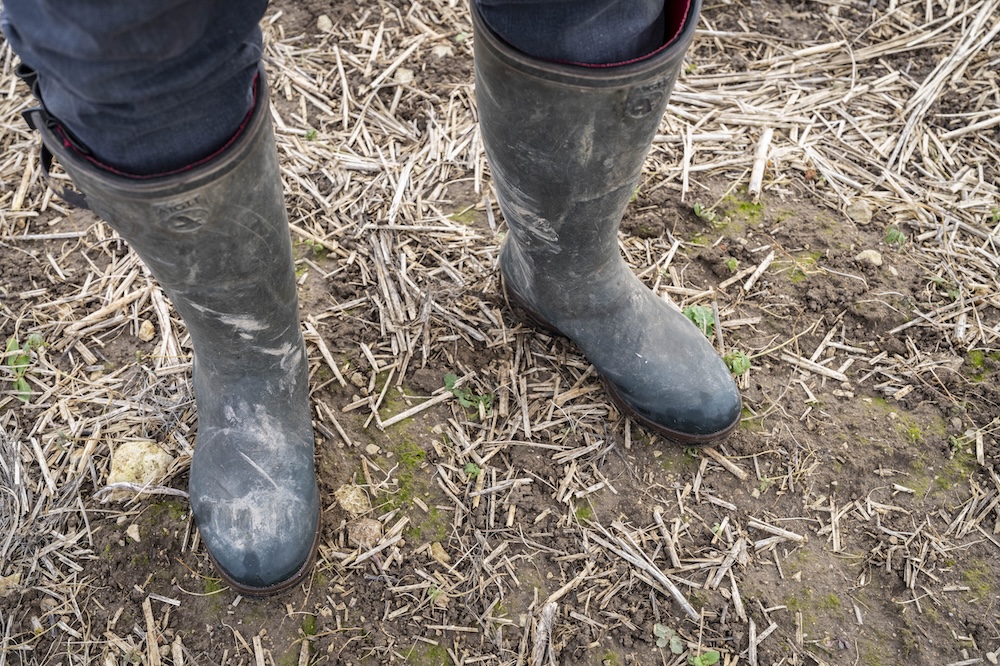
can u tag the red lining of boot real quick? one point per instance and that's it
(71, 145)
(675, 19)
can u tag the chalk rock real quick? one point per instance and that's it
(324, 23)
(439, 554)
(141, 462)
(873, 257)
(146, 330)
(860, 212)
(404, 76)
(9, 584)
(353, 499)
(133, 532)
(364, 532)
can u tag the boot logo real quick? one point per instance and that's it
(643, 100)
(184, 216)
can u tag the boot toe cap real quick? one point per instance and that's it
(689, 412)
(262, 542)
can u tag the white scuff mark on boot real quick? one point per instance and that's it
(243, 322)
(283, 350)
(540, 229)
(254, 426)
(196, 306)
(260, 517)
(259, 469)
(292, 361)
(247, 323)
(519, 211)
(587, 143)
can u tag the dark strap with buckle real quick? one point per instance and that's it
(38, 118)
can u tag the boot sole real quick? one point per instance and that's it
(532, 318)
(277, 588)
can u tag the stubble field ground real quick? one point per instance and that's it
(824, 185)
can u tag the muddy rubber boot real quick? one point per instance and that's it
(565, 144)
(216, 238)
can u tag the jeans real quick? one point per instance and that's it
(578, 31)
(149, 87)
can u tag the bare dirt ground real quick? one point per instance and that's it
(854, 518)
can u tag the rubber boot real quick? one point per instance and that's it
(216, 238)
(565, 144)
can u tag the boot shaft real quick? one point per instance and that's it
(214, 236)
(566, 143)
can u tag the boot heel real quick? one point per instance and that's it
(523, 312)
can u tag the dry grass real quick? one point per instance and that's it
(371, 164)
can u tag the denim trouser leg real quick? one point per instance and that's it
(147, 86)
(596, 32)
(151, 86)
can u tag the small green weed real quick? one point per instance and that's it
(702, 317)
(893, 236)
(472, 470)
(467, 398)
(947, 286)
(732, 263)
(213, 586)
(19, 360)
(311, 135)
(995, 215)
(316, 249)
(665, 636)
(465, 216)
(737, 362)
(436, 595)
(705, 658)
(706, 214)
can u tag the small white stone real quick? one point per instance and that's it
(372, 449)
(133, 532)
(403, 76)
(992, 657)
(146, 330)
(860, 212)
(364, 532)
(442, 51)
(324, 23)
(439, 554)
(353, 499)
(10, 584)
(141, 462)
(873, 257)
